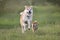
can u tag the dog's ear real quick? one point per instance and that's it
(25, 6)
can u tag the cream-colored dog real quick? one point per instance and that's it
(26, 18)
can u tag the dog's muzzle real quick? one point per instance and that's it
(29, 12)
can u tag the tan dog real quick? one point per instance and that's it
(26, 18)
(34, 26)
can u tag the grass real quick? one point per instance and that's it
(48, 18)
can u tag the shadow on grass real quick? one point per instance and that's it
(6, 26)
(39, 33)
(57, 33)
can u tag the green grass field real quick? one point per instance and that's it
(48, 18)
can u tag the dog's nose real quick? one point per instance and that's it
(29, 12)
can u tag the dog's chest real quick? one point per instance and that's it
(28, 16)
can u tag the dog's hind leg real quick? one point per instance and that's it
(22, 29)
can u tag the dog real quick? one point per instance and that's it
(34, 26)
(26, 18)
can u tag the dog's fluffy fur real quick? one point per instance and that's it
(26, 18)
(34, 26)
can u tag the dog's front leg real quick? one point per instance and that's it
(29, 24)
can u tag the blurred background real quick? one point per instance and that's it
(46, 12)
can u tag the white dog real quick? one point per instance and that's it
(26, 18)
